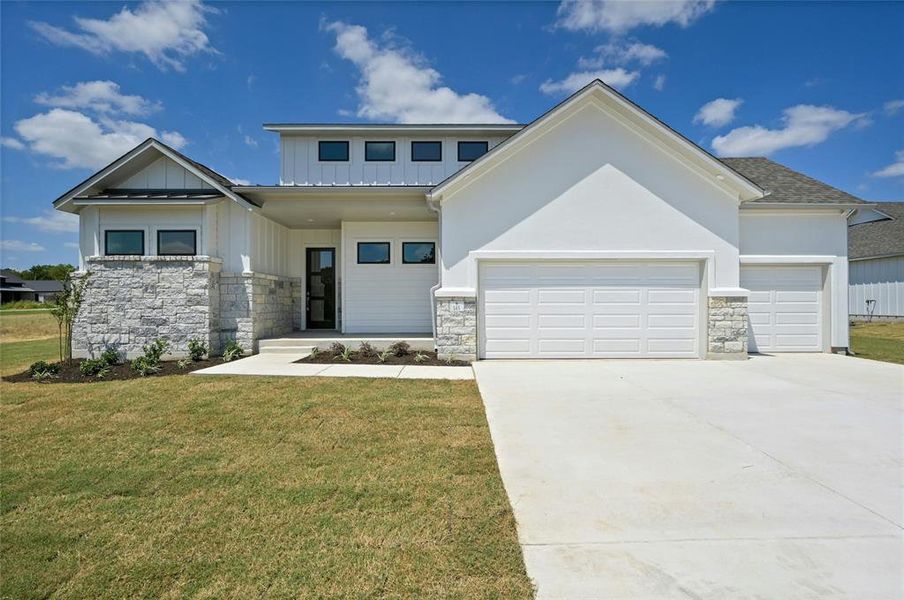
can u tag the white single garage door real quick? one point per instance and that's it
(785, 307)
(611, 309)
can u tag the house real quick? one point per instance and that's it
(594, 231)
(876, 255)
(13, 288)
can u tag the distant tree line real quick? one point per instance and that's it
(59, 272)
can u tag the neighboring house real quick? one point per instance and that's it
(594, 231)
(876, 254)
(13, 288)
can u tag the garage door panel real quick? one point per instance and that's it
(784, 308)
(593, 309)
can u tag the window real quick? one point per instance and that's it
(419, 253)
(332, 151)
(427, 151)
(373, 253)
(468, 151)
(379, 151)
(124, 242)
(177, 241)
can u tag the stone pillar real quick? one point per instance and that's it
(456, 328)
(132, 300)
(727, 327)
(254, 306)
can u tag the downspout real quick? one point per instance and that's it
(434, 206)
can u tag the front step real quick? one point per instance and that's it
(282, 349)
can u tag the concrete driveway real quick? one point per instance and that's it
(778, 477)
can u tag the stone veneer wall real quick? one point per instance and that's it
(727, 327)
(131, 300)
(254, 305)
(456, 328)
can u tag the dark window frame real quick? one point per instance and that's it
(486, 148)
(107, 233)
(388, 260)
(440, 159)
(366, 143)
(409, 262)
(194, 233)
(320, 151)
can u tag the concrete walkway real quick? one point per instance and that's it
(776, 477)
(283, 365)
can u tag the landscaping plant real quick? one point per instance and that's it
(149, 362)
(345, 355)
(42, 370)
(65, 309)
(337, 348)
(400, 349)
(232, 351)
(383, 356)
(197, 349)
(366, 350)
(419, 358)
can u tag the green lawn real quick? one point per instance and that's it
(879, 340)
(250, 487)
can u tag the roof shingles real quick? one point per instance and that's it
(878, 238)
(786, 186)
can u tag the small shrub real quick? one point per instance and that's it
(315, 352)
(184, 363)
(419, 358)
(24, 305)
(366, 350)
(197, 349)
(156, 349)
(104, 371)
(384, 356)
(145, 366)
(232, 351)
(400, 349)
(345, 355)
(92, 366)
(42, 370)
(337, 348)
(110, 357)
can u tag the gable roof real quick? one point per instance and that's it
(787, 186)
(722, 172)
(878, 238)
(205, 173)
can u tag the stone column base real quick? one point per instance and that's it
(727, 328)
(456, 328)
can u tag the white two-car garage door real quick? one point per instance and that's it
(785, 307)
(606, 309)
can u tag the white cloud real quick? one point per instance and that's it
(619, 16)
(718, 112)
(52, 221)
(250, 141)
(20, 246)
(79, 141)
(618, 53)
(238, 181)
(803, 125)
(617, 78)
(397, 85)
(99, 96)
(892, 107)
(12, 143)
(895, 169)
(165, 32)
(71, 245)
(659, 83)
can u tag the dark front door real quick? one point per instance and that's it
(320, 283)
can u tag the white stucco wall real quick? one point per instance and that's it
(590, 184)
(393, 298)
(810, 236)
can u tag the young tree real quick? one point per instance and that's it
(65, 309)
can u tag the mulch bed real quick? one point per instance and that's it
(326, 357)
(71, 373)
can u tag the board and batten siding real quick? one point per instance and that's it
(300, 164)
(164, 174)
(393, 298)
(879, 279)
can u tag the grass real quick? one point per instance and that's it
(24, 305)
(24, 325)
(879, 340)
(250, 487)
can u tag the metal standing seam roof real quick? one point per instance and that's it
(787, 186)
(878, 238)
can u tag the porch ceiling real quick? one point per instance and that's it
(327, 210)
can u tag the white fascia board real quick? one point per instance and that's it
(400, 129)
(787, 259)
(142, 202)
(802, 206)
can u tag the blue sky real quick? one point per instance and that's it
(817, 86)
